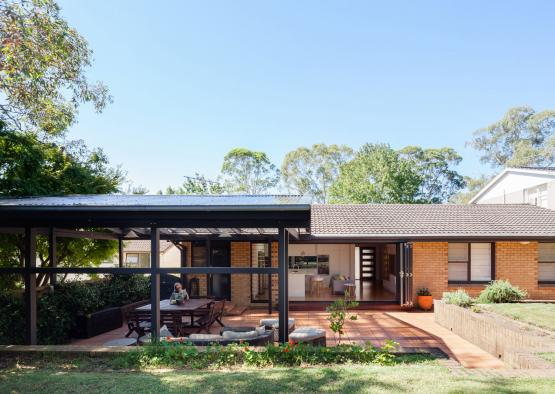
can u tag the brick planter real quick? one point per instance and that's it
(514, 343)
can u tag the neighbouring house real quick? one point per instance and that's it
(136, 254)
(522, 185)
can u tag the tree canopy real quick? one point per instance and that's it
(197, 184)
(473, 186)
(377, 174)
(42, 68)
(249, 172)
(380, 174)
(313, 170)
(523, 137)
(32, 167)
(439, 181)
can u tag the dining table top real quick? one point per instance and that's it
(187, 306)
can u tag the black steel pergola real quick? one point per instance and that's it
(174, 218)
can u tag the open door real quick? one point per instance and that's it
(405, 274)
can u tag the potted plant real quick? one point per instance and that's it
(425, 300)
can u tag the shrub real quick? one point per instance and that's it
(57, 311)
(501, 291)
(459, 297)
(178, 355)
(339, 312)
(423, 292)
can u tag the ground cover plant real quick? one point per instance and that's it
(183, 355)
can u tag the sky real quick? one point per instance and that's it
(192, 80)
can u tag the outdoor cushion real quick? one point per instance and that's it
(205, 336)
(260, 330)
(240, 335)
(274, 323)
(307, 334)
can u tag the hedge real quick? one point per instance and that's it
(57, 310)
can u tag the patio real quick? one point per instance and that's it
(409, 329)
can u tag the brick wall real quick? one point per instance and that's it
(429, 267)
(240, 283)
(201, 278)
(515, 261)
(275, 278)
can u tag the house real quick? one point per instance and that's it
(136, 253)
(285, 251)
(522, 185)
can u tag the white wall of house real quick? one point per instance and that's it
(520, 186)
(342, 256)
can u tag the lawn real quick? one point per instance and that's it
(427, 377)
(55, 374)
(541, 315)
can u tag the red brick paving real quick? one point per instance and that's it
(407, 328)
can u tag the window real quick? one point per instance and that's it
(546, 262)
(470, 262)
(537, 195)
(137, 260)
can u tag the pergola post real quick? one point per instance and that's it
(30, 287)
(270, 300)
(120, 252)
(52, 254)
(155, 283)
(283, 246)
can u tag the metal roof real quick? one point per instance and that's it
(161, 202)
(431, 221)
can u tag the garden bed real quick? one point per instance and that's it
(513, 342)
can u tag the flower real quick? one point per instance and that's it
(291, 342)
(285, 350)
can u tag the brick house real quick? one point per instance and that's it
(442, 247)
(268, 250)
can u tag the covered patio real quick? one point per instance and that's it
(270, 219)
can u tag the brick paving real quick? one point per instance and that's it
(409, 329)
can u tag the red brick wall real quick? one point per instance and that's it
(241, 283)
(515, 261)
(429, 267)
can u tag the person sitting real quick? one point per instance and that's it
(179, 294)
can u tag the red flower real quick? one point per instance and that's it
(291, 342)
(285, 350)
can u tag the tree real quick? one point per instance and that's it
(249, 172)
(197, 184)
(313, 170)
(473, 186)
(377, 174)
(439, 180)
(523, 137)
(32, 167)
(42, 68)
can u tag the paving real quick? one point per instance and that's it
(409, 329)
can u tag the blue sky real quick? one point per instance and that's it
(191, 80)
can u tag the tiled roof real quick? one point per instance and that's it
(433, 220)
(144, 246)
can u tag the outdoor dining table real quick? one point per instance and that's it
(188, 307)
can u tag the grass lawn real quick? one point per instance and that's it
(548, 357)
(541, 315)
(427, 376)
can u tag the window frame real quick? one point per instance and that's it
(468, 280)
(544, 282)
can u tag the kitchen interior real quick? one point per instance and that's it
(325, 272)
